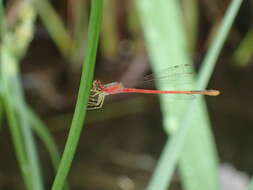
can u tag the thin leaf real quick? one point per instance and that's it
(83, 95)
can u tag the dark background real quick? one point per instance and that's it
(122, 141)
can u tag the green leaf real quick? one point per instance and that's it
(83, 95)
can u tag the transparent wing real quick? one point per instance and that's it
(179, 75)
(171, 73)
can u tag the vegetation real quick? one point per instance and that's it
(167, 33)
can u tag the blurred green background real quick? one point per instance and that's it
(43, 44)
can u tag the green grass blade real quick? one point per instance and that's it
(191, 20)
(30, 143)
(203, 164)
(42, 131)
(80, 11)
(244, 51)
(83, 95)
(250, 186)
(167, 44)
(2, 21)
(199, 148)
(54, 26)
(23, 32)
(18, 143)
(218, 42)
(110, 35)
(16, 98)
(13, 97)
(2, 33)
(47, 139)
(1, 112)
(14, 124)
(203, 78)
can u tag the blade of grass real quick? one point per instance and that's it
(166, 43)
(13, 47)
(54, 26)
(15, 133)
(217, 44)
(243, 53)
(47, 139)
(2, 21)
(29, 138)
(10, 75)
(83, 95)
(1, 113)
(42, 131)
(2, 33)
(23, 35)
(173, 148)
(191, 17)
(250, 186)
(80, 24)
(109, 36)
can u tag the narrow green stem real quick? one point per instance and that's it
(83, 95)
(26, 129)
(215, 48)
(2, 21)
(13, 97)
(54, 26)
(174, 147)
(14, 124)
(42, 131)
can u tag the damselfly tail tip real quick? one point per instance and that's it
(212, 92)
